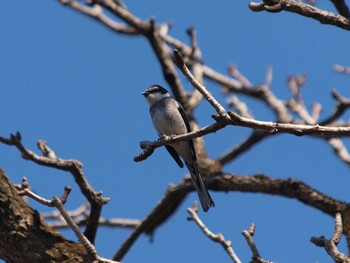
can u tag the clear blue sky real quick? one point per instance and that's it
(71, 82)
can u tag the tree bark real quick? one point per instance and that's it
(26, 237)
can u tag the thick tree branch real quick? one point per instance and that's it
(92, 255)
(300, 8)
(72, 166)
(290, 188)
(26, 237)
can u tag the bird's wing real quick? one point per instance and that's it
(203, 194)
(175, 155)
(187, 123)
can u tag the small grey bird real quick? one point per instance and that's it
(169, 118)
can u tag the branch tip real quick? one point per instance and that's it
(178, 58)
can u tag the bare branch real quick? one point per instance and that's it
(86, 243)
(341, 69)
(47, 152)
(340, 149)
(331, 245)
(197, 67)
(299, 107)
(342, 104)
(164, 209)
(240, 106)
(316, 110)
(248, 235)
(240, 77)
(59, 204)
(81, 215)
(296, 129)
(150, 146)
(121, 12)
(248, 143)
(25, 228)
(300, 8)
(136, 26)
(72, 166)
(269, 76)
(218, 238)
(23, 190)
(96, 12)
(179, 61)
(290, 188)
(237, 120)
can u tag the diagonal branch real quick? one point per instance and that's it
(81, 215)
(72, 166)
(97, 13)
(248, 143)
(342, 104)
(179, 61)
(165, 208)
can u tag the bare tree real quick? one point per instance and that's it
(25, 235)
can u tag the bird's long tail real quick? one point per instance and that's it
(203, 194)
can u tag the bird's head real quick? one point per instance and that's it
(155, 93)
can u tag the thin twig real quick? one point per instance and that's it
(331, 245)
(218, 238)
(197, 68)
(179, 61)
(81, 215)
(341, 69)
(248, 235)
(23, 189)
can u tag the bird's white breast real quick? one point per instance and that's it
(166, 117)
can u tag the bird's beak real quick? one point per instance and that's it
(145, 93)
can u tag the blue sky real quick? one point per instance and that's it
(75, 84)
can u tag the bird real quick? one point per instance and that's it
(169, 118)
